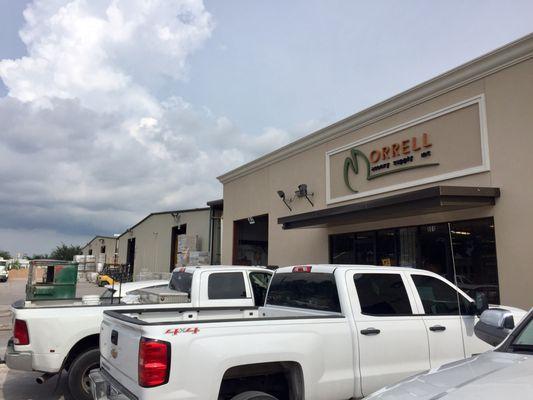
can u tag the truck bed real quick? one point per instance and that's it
(171, 316)
(202, 339)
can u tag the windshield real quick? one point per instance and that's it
(2, 267)
(181, 282)
(524, 341)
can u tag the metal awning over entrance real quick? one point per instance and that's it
(423, 201)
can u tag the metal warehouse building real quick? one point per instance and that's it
(152, 245)
(438, 177)
(103, 248)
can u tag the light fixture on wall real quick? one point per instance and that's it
(302, 192)
(281, 195)
(176, 216)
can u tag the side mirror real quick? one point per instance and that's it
(481, 303)
(494, 325)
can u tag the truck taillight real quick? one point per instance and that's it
(302, 268)
(21, 336)
(154, 362)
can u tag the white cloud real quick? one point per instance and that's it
(86, 144)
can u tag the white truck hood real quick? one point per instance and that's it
(491, 375)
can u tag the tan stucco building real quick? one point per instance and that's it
(150, 246)
(437, 177)
(103, 248)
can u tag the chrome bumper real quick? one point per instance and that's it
(103, 389)
(21, 360)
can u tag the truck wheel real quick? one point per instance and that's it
(254, 396)
(79, 384)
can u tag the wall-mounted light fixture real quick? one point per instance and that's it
(176, 216)
(281, 195)
(302, 192)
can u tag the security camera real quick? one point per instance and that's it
(302, 190)
(281, 194)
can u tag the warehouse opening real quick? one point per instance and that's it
(176, 248)
(250, 241)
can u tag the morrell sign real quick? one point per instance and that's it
(445, 144)
(387, 160)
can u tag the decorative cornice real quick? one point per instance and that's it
(504, 57)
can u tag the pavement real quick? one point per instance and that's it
(20, 385)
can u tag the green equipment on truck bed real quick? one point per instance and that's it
(58, 280)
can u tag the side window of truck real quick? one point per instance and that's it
(259, 281)
(382, 294)
(439, 298)
(226, 285)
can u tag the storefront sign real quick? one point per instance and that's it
(405, 155)
(445, 144)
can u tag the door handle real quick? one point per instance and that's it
(370, 331)
(437, 328)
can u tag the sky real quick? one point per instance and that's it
(113, 109)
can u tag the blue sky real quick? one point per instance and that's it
(110, 110)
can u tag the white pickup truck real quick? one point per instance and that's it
(55, 335)
(325, 332)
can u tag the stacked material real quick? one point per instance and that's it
(186, 245)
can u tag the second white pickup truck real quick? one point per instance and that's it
(325, 332)
(54, 335)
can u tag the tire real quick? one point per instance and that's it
(253, 395)
(78, 374)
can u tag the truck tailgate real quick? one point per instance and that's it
(119, 348)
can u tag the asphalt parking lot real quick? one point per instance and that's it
(19, 385)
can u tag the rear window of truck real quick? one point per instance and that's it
(312, 290)
(181, 282)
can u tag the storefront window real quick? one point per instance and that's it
(342, 248)
(365, 250)
(408, 247)
(474, 249)
(430, 247)
(435, 250)
(386, 247)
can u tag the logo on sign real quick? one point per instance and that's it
(388, 160)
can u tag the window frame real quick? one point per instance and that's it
(265, 272)
(354, 296)
(448, 283)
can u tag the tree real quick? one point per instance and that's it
(39, 257)
(5, 255)
(64, 252)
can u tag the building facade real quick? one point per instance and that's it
(103, 248)
(437, 177)
(151, 245)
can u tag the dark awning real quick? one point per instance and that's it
(423, 201)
